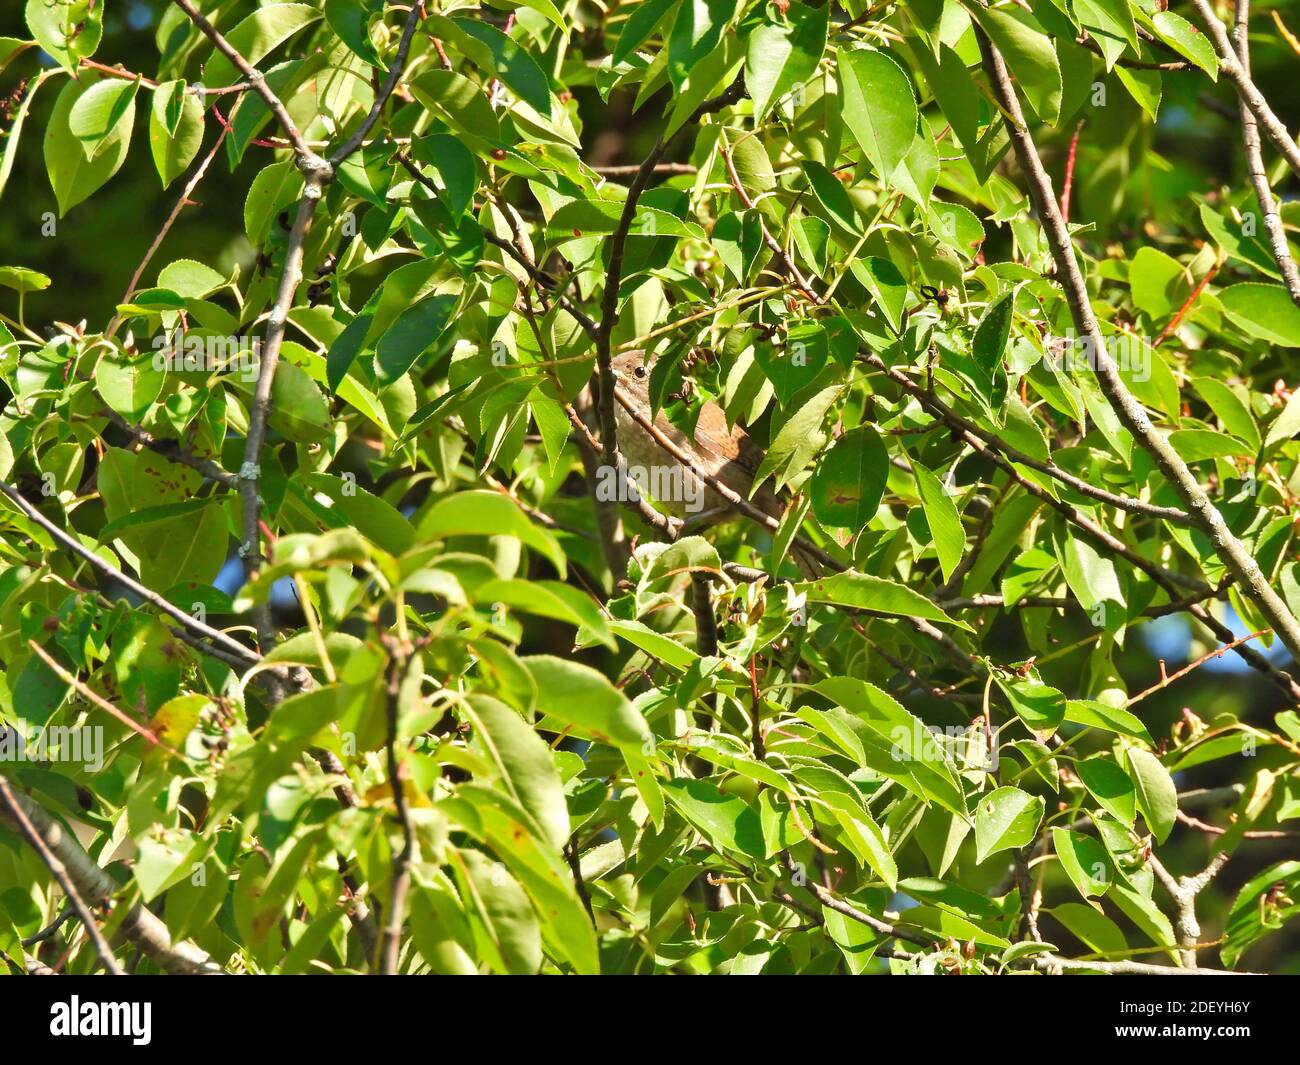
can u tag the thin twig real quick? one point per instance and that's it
(401, 874)
(1218, 652)
(172, 451)
(386, 90)
(1188, 303)
(72, 544)
(187, 190)
(774, 245)
(614, 273)
(953, 420)
(96, 699)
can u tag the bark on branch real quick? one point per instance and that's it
(89, 881)
(1203, 512)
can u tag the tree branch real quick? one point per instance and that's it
(72, 544)
(1131, 413)
(254, 77)
(401, 873)
(953, 420)
(140, 926)
(1251, 97)
(16, 816)
(172, 451)
(1277, 240)
(614, 273)
(1183, 890)
(386, 90)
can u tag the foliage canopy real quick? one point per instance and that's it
(304, 524)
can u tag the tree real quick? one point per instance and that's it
(385, 586)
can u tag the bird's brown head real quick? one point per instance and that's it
(632, 374)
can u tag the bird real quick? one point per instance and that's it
(727, 453)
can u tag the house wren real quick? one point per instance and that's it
(722, 451)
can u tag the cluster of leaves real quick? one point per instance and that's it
(909, 757)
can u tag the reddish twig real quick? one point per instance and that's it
(1177, 319)
(1067, 183)
(1218, 652)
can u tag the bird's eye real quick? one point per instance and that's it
(639, 371)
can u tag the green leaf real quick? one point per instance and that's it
(69, 30)
(793, 366)
(488, 47)
(1029, 56)
(1230, 409)
(861, 591)
(645, 17)
(989, 346)
(1038, 705)
(550, 599)
(1286, 424)
(523, 766)
(161, 861)
(1157, 797)
(256, 37)
(578, 695)
(486, 513)
(833, 197)
(298, 408)
(1145, 86)
(780, 57)
(128, 386)
(72, 176)
(912, 749)
(1110, 786)
(1006, 819)
(1110, 23)
(726, 821)
(14, 135)
(174, 144)
(190, 279)
(21, 279)
(887, 286)
(1085, 861)
(351, 20)
(1186, 40)
(505, 928)
(1145, 914)
(798, 439)
(957, 227)
(1264, 904)
(1263, 311)
(1097, 931)
(414, 333)
(865, 838)
(376, 519)
(879, 106)
(455, 168)
(100, 110)
(849, 481)
(696, 32)
(943, 518)
(11, 48)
